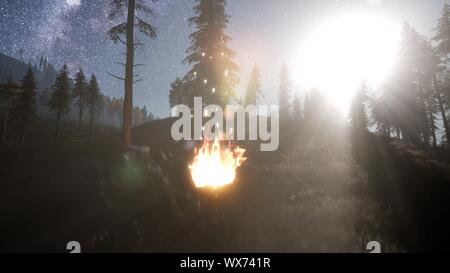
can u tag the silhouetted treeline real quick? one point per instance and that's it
(407, 162)
(22, 103)
(413, 103)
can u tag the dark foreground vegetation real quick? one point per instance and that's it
(312, 198)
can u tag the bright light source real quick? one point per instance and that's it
(342, 52)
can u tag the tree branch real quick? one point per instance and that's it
(114, 76)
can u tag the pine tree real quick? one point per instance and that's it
(127, 28)
(7, 93)
(438, 86)
(50, 73)
(25, 103)
(404, 94)
(59, 102)
(432, 108)
(359, 122)
(358, 116)
(177, 93)
(144, 114)
(442, 36)
(119, 110)
(43, 99)
(284, 95)
(297, 111)
(253, 92)
(380, 114)
(430, 68)
(104, 104)
(112, 109)
(410, 98)
(138, 117)
(93, 97)
(41, 63)
(213, 75)
(79, 93)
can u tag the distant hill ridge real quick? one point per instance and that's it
(12, 68)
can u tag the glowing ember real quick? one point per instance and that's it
(214, 166)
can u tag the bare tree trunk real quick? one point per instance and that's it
(128, 100)
(441, 109)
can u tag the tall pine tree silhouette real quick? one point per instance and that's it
(177, 94)
(442, 31)
(297, 110)
(25, 105)
(404, 90)
(7, 93)
(131, 7)
(358, 115)
(442, 38)
(60, 99)
(213, 75)
(79, 93)
(284, 95)
(93, 98)
(253, 92)
(359, 122)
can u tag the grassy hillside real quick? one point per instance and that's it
(415, 183)
(314, 197)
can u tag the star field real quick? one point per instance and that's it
(75, 34)
(263, 31)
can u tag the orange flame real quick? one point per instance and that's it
(214, 166)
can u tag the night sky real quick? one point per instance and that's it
(264, 31)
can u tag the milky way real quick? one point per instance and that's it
(73, 32)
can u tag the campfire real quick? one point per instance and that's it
(214, 166)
